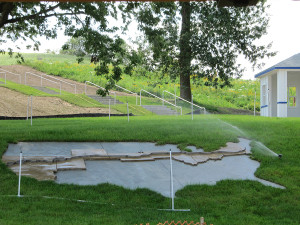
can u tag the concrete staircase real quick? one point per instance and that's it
(160, 110)
(105, 100)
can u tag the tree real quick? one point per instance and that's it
(209, 39)
(74, 46)
(27, 20)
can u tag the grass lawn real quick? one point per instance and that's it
(228, 202)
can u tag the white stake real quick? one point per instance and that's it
(140, 97)
(20, 171)
(127, 112)
(254, 102)
(31, 112)
(109, 109)
(171, 175)
(192, 109)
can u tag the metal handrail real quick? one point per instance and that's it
(13, 74)
(44, 79)
(158, 98)
(100, 88)
(59, 80)
(200, 107)
(129, 92)
(4, 76)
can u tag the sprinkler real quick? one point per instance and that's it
(279, 156)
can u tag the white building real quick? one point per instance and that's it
(279, 89)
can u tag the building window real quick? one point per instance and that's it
(292, 97)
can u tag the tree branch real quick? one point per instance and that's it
(34, 15)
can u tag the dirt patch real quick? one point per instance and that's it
(14, 104)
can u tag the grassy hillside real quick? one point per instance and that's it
(227, 202)
(239, 96)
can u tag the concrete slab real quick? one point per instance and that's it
(188, 159)
(88, 152)
(137, 159)
(231, 147)
(73, 164)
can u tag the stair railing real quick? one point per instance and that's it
(115, 99)
(155, 96)
(60, 80)
(19, 75)
(42, 78)
(200, 107)
(129, 92)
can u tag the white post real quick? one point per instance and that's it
(109, 108)
(175, 93)
(31, 112)
(127, 112)
(171, 180)
(140, 97)
(28, 107)
(281, 93)
(192, 109)
(254, 102)
(20, 172)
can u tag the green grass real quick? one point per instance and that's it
(228, 202)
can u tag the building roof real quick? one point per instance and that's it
(290, 63)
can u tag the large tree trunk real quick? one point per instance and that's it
(185, 51)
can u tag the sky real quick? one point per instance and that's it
(283, 31)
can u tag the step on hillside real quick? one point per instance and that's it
(160, 110)
(105, 100)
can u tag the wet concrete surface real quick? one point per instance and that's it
(133, 165)
(155, 175)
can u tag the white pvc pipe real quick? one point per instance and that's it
(254, 102)
(109, 108)
(140, 97)
(127, 112)
(171, 176)
(31, 112)
(20, 173)
(192, 108)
